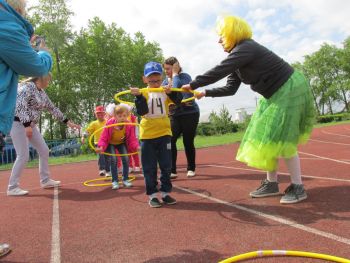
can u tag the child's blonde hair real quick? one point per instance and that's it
(232, 30)
(120, 109)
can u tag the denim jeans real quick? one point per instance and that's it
(104, 162)
(155, 151)
(125, 160)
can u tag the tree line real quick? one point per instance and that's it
(93, 64)
(90, 66)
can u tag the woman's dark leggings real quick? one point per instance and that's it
(187, 126)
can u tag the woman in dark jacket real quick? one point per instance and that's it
(284, 116)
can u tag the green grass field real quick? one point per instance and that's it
(200, 142)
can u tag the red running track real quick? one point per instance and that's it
(213, 220)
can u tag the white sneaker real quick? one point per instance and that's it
(108, 174)
(137, 169)
(131, 170)
(102, 173)
(50, 184)
(127, 184)
(191, 173)
(17, 192)
(115, 185)
(173, 176)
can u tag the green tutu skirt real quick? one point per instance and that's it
(278, 125)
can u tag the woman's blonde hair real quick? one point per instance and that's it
(232, 30)
(18, 5)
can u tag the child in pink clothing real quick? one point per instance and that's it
(134, 160)
(120, 138)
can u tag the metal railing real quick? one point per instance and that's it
(57, 148)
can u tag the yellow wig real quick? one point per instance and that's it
(233, 30)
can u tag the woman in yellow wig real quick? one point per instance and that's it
(284, 116)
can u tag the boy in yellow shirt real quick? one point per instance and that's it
(155, 133)
(104, 162)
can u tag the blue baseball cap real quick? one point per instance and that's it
(151, 68)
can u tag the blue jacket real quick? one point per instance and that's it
(17, 57)
(184, 108)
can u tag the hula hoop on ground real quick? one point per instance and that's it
(269, 253)
(90, 183)
(112, 125)
(116, 96)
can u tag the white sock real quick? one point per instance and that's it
(164, 194)
(154, 195)
(293, 165)
(272, 176)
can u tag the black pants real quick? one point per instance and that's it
(185, 125)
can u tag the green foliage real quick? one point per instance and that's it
(334, 117)
(218, 124)
(329, 74)
(91, 65)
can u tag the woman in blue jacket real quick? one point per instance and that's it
(17, 57)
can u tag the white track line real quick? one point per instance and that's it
(55, 239)
(272, 217)
(338, 143)
(253, 170)
(331, 133)
(325, 158)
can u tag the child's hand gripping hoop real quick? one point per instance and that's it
(116, 96)
(112, 125)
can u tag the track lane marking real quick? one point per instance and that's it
(55, 237)
(260, 171)
(271, 217)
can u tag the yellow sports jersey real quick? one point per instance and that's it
(156, 122)
(93, 126)
(118, 135)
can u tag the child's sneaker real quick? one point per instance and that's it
(154, 203)
(266, 188)
(169, 200)
(293, 194)
(108, 174)
(127, 184)
(137, 169)
(173, 176)
(102, 173)
(130, 170)
(115, 185)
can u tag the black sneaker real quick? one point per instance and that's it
(169, 200)
(266, 188)
(154, 203)
(293, 194)
(2, 143)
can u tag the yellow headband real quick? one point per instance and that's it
(232, 30)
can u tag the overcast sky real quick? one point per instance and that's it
(186, 29)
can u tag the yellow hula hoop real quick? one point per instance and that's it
(116, 96)
(90, 183)
(112, 125)
(269, 253)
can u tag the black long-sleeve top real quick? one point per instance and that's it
(250, 63)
